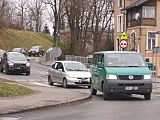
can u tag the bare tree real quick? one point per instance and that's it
(3, 4)
(21, 7)
(88, 18)
(36, 7)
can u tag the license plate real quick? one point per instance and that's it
(131, 88)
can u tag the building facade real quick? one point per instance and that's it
(140, 20)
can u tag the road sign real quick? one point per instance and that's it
(124, 36)
(57, 51)
(123, 44)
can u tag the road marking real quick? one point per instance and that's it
(40, 84)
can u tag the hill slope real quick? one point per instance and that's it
(10, 39)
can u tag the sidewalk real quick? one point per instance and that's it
(42, 97)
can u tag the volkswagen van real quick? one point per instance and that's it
(120, 72)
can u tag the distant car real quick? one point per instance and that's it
(36, 51)
(1, 54)
(69, 73)
(15, 62)
(20, 50)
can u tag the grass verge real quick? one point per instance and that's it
(12, 90)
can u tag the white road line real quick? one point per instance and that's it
(40, 84)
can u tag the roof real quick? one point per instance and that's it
(136, 3)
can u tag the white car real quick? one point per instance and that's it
(69, 73)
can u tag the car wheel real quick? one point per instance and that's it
(147, 96)
(93, 91)
(65, 83)
(6, 70)
(29, 55)
(1, 69)
(33, 55)
(50, 81)
(28, 73)
(106, 96)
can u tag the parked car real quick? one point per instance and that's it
(36, 51)
(20, 50)
(1, 54)
(69, 73)
(15, 62)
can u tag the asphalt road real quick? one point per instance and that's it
(119, 108)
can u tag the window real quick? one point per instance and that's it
(148, 12)
(120, 3)
(151, 40)
(120, 23)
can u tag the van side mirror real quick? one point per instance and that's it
(99, 65)
(149, 64)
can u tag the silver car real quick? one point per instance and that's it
(69, 73)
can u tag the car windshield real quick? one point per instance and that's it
(75, 67)
(125, 59)
(35, 48)
(16, 50)
(1, 52)
(17, 57)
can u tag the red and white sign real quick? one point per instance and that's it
(123, 43)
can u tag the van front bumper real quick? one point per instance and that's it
(128, 86)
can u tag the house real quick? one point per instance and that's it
(140, 21)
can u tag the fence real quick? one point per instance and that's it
(85, 60)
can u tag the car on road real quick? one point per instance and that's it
(15, 62)
(120, 72)
(36, 51)
(1, 54)
(69, 73)
(20, 50)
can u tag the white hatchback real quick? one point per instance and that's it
(69, 73)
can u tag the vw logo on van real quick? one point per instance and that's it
(130, 77)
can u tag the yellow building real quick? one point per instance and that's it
(140, 20)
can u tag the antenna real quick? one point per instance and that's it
(137, 16)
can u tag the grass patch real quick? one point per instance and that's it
(12, 90)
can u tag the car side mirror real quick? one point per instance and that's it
(99, 64)
(149, 64)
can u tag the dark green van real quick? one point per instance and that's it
(120, 72)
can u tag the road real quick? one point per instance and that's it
(119, 108)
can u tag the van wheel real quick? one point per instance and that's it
(65, 83)
(106, 96)
(93, 91)
(50, 81)
(147, 96)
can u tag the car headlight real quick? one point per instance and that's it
(111, 77)
(71, 76)
(28, 64)
(10, 63)
(147, 76)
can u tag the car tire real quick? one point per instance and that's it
(50, 81)
(93, 91)
(65, 85)
(28, 73)
(147, 96)
(1, 69)
(106, 96)
(6, 70)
